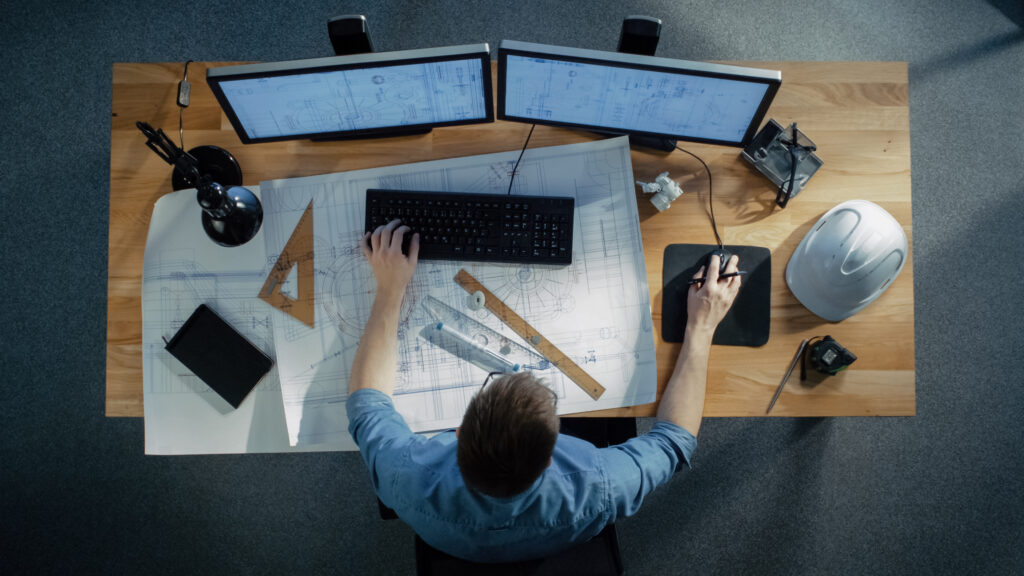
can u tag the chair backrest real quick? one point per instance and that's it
(598, 556)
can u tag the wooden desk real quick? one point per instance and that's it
(856, 112)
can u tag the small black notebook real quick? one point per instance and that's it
(219, 355)
(748, 321)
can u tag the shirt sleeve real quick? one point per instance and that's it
(380, 432)
(638, 466)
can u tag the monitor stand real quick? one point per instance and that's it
(662, 144)
(635, 141)
(214, 161)
(350, 34)
(399, 132)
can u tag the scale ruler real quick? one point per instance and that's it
(530, 334)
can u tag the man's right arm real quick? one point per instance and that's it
(641, 464)
(683, 401)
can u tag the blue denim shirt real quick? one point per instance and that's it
(584, 489)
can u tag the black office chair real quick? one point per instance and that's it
(598, 556)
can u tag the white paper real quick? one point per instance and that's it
(597, 310)
(183, 269)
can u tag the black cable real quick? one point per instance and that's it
(782, 196)
(521, 152)
(181, 107)
(803, 360)
(714, 225)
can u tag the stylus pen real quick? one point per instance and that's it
(789, 372)
(729, 275)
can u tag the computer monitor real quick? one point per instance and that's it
(358, 96)
(632, 94)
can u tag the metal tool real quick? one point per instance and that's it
(789, 372)
(476, 343)
(585, 381)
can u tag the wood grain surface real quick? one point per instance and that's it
(856, 112)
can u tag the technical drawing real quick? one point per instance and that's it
(597, 310)
(359, 99)
(345, 292)
(629, 99)
(175, 286)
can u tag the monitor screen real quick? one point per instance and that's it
(356, 96)
(631, 94)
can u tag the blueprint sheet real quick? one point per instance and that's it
(596, 310)
(183, 268)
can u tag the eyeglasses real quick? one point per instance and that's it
(554, 395)
(489, 376)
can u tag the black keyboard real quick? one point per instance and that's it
(482, 227)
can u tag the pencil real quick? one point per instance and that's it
(729, 275)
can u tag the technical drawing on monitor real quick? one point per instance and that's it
(629, 99)
(349, 100)
(632, 94)
(361, 95)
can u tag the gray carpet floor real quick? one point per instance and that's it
(939, 493)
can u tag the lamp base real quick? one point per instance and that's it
(214, 161)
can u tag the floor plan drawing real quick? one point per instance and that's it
(596, 310)
(624, 98)
(359, 98)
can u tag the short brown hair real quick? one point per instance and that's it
(508, 435)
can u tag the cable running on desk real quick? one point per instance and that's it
(711, 203)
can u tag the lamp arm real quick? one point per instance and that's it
(231, 216)
(183, 162)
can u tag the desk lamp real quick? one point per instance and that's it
(232, 214)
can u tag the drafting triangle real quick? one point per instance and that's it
(297, 254)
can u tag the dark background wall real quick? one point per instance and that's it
(939, 493)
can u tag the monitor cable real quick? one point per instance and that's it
(521, 152)
(184, 94)
(711, 204)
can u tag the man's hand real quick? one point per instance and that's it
(707, 304)
(392, 269)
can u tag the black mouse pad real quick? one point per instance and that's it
(748, 321)
(219, 355)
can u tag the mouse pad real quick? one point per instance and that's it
(749, 319)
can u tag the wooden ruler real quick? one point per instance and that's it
(528, 333)
(298, 251)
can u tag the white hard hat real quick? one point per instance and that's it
(847, 260)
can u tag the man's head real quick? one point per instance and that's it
(508, 435)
